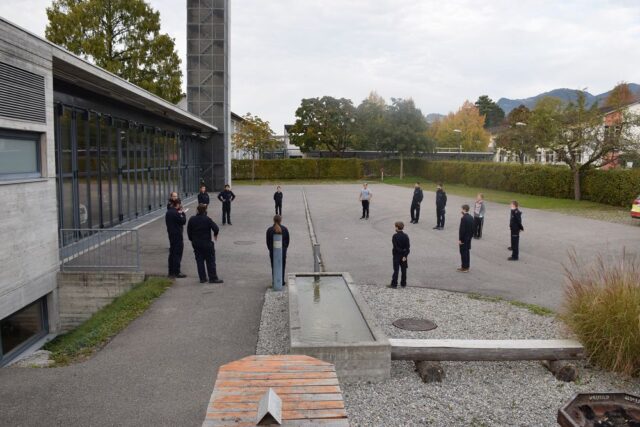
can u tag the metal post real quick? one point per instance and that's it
(316, 258)
(277, 262)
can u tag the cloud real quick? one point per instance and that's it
(439, 53)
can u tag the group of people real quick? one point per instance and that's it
(470, 228)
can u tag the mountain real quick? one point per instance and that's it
(564, 94)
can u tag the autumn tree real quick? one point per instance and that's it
(121, 36)
(518, 136)
(324, 123)
(370, 124)
(254, 136)
(464, 129)
(493, 114)
(581, 136)
(620, 95)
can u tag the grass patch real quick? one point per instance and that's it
(93, 334)
(533, 308)
(602, 307)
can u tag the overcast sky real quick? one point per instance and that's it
(437, 52)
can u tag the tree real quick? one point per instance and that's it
(255, 136)
(518, 137)
(121, 36)
(493, 114)
(582, 137)
(467, 120)
(619, 96)
(324, 123)
(370, 125)
(405, 130)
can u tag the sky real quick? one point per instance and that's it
(437, 52)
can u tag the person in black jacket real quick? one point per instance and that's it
(515, 225)
(415, 203)
(175, 220)
(277, 197)
(401, 249)
(226, 197)
(173, 196)
(203, 196)
(278, 228)
(465, 234)
(199, 232)
(441, 204)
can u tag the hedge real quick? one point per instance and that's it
(614, 187)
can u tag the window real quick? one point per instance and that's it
(19, 155)
(22, 328)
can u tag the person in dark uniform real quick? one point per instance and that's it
(441, 204)
(199, 232)
(226, 197)
(401, 249)
(415, 203)
(175, 220)
(515, 225)
(277, 197)
(465, 234)
(203, 196)
(173, 196)
(278, 228)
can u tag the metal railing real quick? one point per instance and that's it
(99, 249)
(318, 264)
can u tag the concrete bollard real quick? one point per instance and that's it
(277, 262)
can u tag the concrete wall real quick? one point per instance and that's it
(29, 251)
(82, 294)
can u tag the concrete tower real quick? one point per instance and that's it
(208, 83)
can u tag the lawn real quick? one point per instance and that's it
(80, 343)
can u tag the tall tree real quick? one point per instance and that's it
(518, 136)
(370, 125)
(121, 36)
(464, 129)
(493, 114)
(254, 136)
(619, 96)
(324, 123)
(406, 130)
(582, 137)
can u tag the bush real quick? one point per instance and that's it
(299, 169)
(602, 307)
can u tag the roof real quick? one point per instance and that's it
(72, 68)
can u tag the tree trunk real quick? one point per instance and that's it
(401, 166)
(577, 194)
(521, 159)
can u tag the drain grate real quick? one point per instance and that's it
(415, 324)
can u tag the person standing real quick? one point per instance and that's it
(441, 204)
(400, 252)
(277, 197)
(226, 197)
(415, 203)
(465, 234)
(515, 225)
(199, 231)
(203, 196)
(173, 196)
(278, 228)
(365, 198)
(478, 216)
(175, 220)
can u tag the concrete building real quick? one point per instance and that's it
(84, 150)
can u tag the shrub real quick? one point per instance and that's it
(602, 307)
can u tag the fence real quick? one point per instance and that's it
(99, 249)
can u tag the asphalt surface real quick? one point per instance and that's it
(161, 369)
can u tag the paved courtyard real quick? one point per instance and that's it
(161, 369)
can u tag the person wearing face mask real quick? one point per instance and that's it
(515, 225)
(415, 203)
(465, 234)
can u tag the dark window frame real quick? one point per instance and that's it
(15, 352)
(34, 137)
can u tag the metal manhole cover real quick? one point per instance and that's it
(415, 324)
(244, 242)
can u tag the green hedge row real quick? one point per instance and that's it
(614, 187)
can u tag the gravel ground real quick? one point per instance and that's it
(473, 393)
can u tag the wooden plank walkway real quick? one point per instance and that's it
(308, 387)
(484, 350)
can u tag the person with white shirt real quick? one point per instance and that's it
(365, 198)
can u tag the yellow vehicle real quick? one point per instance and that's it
(635, 208)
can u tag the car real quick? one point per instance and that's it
(635, 208)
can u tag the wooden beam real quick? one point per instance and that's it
(484, 350)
